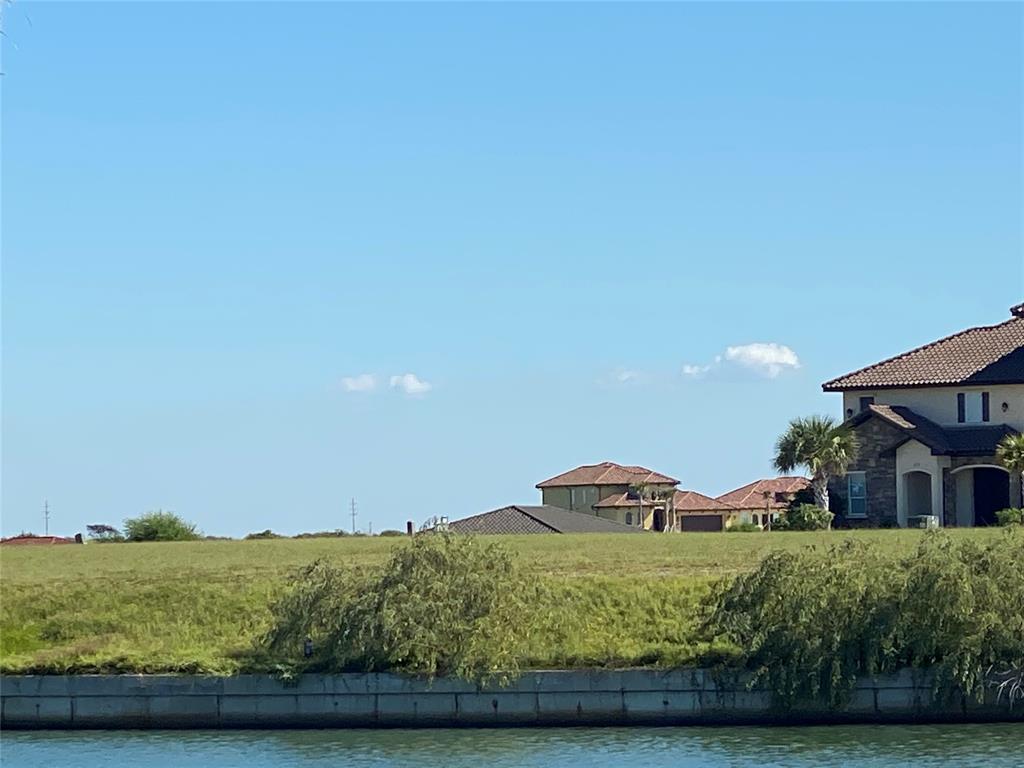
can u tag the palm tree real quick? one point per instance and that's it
(820, 444)
(1010, 453)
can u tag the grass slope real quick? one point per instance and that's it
(197, 606)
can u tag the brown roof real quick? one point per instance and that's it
(991, 354)
(974, 440)
(778, 490)
(607, 473)
(691, 501)
(519, 519)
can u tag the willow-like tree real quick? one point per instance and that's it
(1010, 453)
(821, 445)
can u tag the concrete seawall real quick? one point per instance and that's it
(586, 697)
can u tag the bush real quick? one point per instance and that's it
(1010, 516)
(391, 532)
(810, 623)
(267, 534)
(337, 533)
(159, 526)
(443, 605)
(103, 534)
(743, 528)
(805, 517)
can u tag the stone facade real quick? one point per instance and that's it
(876, 457)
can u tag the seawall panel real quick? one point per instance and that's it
(577, 697)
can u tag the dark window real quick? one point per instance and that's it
(865, 402)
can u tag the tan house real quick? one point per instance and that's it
(630, 495)
(928, 422)
(696, 512)
(762, 502)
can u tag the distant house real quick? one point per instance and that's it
(523, 519)
(928, 422)
(629, 495)
(30, 539)
(763, 501)
(697, 512)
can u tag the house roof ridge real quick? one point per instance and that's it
(829, 385)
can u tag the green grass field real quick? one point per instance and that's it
(197, 606)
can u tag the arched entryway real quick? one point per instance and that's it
(659, 519)
(917, 486)
(981, 491)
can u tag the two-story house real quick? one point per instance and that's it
(631, 495)
(928, 423)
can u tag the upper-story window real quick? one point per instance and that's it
(865, 402)
(972, 407)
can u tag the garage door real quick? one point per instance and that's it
(701, 522)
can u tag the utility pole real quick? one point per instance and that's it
(46, 517)
(352, 506)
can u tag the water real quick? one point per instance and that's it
(992, 746)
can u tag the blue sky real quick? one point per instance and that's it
(533, 229)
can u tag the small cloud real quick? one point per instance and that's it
(624, 376)
(768, 359)
(695, 370)
(364, 382)
(411, 384)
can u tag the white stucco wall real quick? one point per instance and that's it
(914, 456)
(939, 403)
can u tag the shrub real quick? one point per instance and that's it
(810, 623)
(337, 533)
(743, 528)
(805, 517)
(391, 532)
(443, 605)
(1010, 516)
(159, 526)
(103, 534)
(267, 534)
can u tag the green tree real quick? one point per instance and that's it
(1010, 453)
(821, 445)
(159, 526)
(442, 605)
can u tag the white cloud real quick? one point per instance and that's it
(768, 359)
(624, 376)
(695, 370)
(411, 384)
(364, 382)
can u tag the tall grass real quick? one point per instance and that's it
(199, 606)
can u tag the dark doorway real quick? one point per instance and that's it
(659, 519)
(991, 493)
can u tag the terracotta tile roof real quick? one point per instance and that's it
(778, 490)
(691, 501)
(607, 473)
(991, 354)
(521, 519)
(973, 440)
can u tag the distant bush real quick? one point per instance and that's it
(805, 517)
(103, 534)
(267, 534)
(810, 623)
(443, 605)
(159, 526)
(1010, 516)
(390, 532)
(743, 528)
(336, 533)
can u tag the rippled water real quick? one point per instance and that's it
(992, 746)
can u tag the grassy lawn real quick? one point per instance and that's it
(197, 606)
